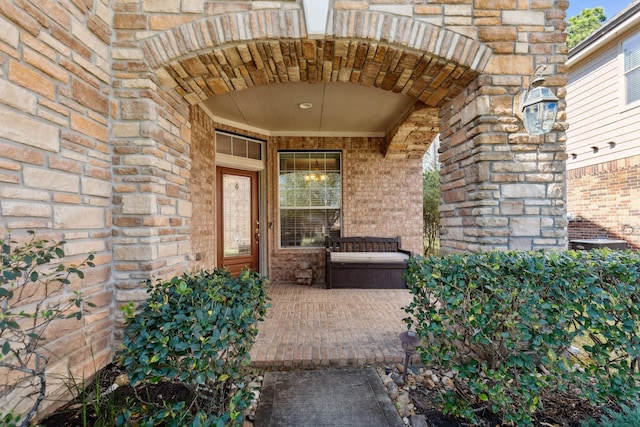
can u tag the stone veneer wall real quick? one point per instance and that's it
(467, 59)
(502, 189)
(604, 201)
(381, 197)
(96, 129)
(55, 164)
(152, 202)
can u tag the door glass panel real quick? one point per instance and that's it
(236, 205)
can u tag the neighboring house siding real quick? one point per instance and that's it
(596, 113)
(603, 140)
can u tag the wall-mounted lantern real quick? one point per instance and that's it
(538, 105)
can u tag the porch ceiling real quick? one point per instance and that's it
(355, 88)
(337, 108)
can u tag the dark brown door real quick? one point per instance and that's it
(237, 218)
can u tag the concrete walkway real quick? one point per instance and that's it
(346, 397)
(310, 327)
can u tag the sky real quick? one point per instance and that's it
(611, 7)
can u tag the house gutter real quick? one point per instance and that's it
(618, 24)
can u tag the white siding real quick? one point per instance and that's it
(596, 112)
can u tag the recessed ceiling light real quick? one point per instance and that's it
(305, 105)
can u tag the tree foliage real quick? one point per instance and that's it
(430, 214)
(584, 24)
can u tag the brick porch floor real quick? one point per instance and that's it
(308, 327)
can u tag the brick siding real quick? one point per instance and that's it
(604, 201)
(381, 197)
(202, 188)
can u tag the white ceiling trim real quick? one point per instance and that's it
(330, 134)
(267, 132)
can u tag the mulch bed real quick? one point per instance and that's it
(561, 410)
(71, 414)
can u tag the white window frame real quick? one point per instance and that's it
(624, 87)
(326, 207)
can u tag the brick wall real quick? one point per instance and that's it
(604, 201)
(55, 163)
(381, 197)
(202, 189)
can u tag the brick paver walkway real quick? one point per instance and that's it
(309, 327)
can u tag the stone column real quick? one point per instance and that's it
(150, 134)
(502, 189)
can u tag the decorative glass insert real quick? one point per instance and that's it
(310, 197)
(236, 203)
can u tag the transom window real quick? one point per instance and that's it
(238, 146)
(310, 195)
(631, 49)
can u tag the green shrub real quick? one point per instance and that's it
(197, 330)
(629, 416)
(32, 281)
(503, 321)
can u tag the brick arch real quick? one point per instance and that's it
(236, 51)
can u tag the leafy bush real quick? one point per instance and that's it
(503, 321)
(629, 416)
(197, 330)
(32, 280)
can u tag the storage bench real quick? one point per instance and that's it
(365, 262)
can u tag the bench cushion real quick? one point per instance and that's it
(368, 257)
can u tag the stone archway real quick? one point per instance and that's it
(228, 53)
(502, 189)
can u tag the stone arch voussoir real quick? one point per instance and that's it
(236, 51)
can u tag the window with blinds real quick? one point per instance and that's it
(631, 49)
(310, 197)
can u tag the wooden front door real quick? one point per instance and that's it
(238, 229)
